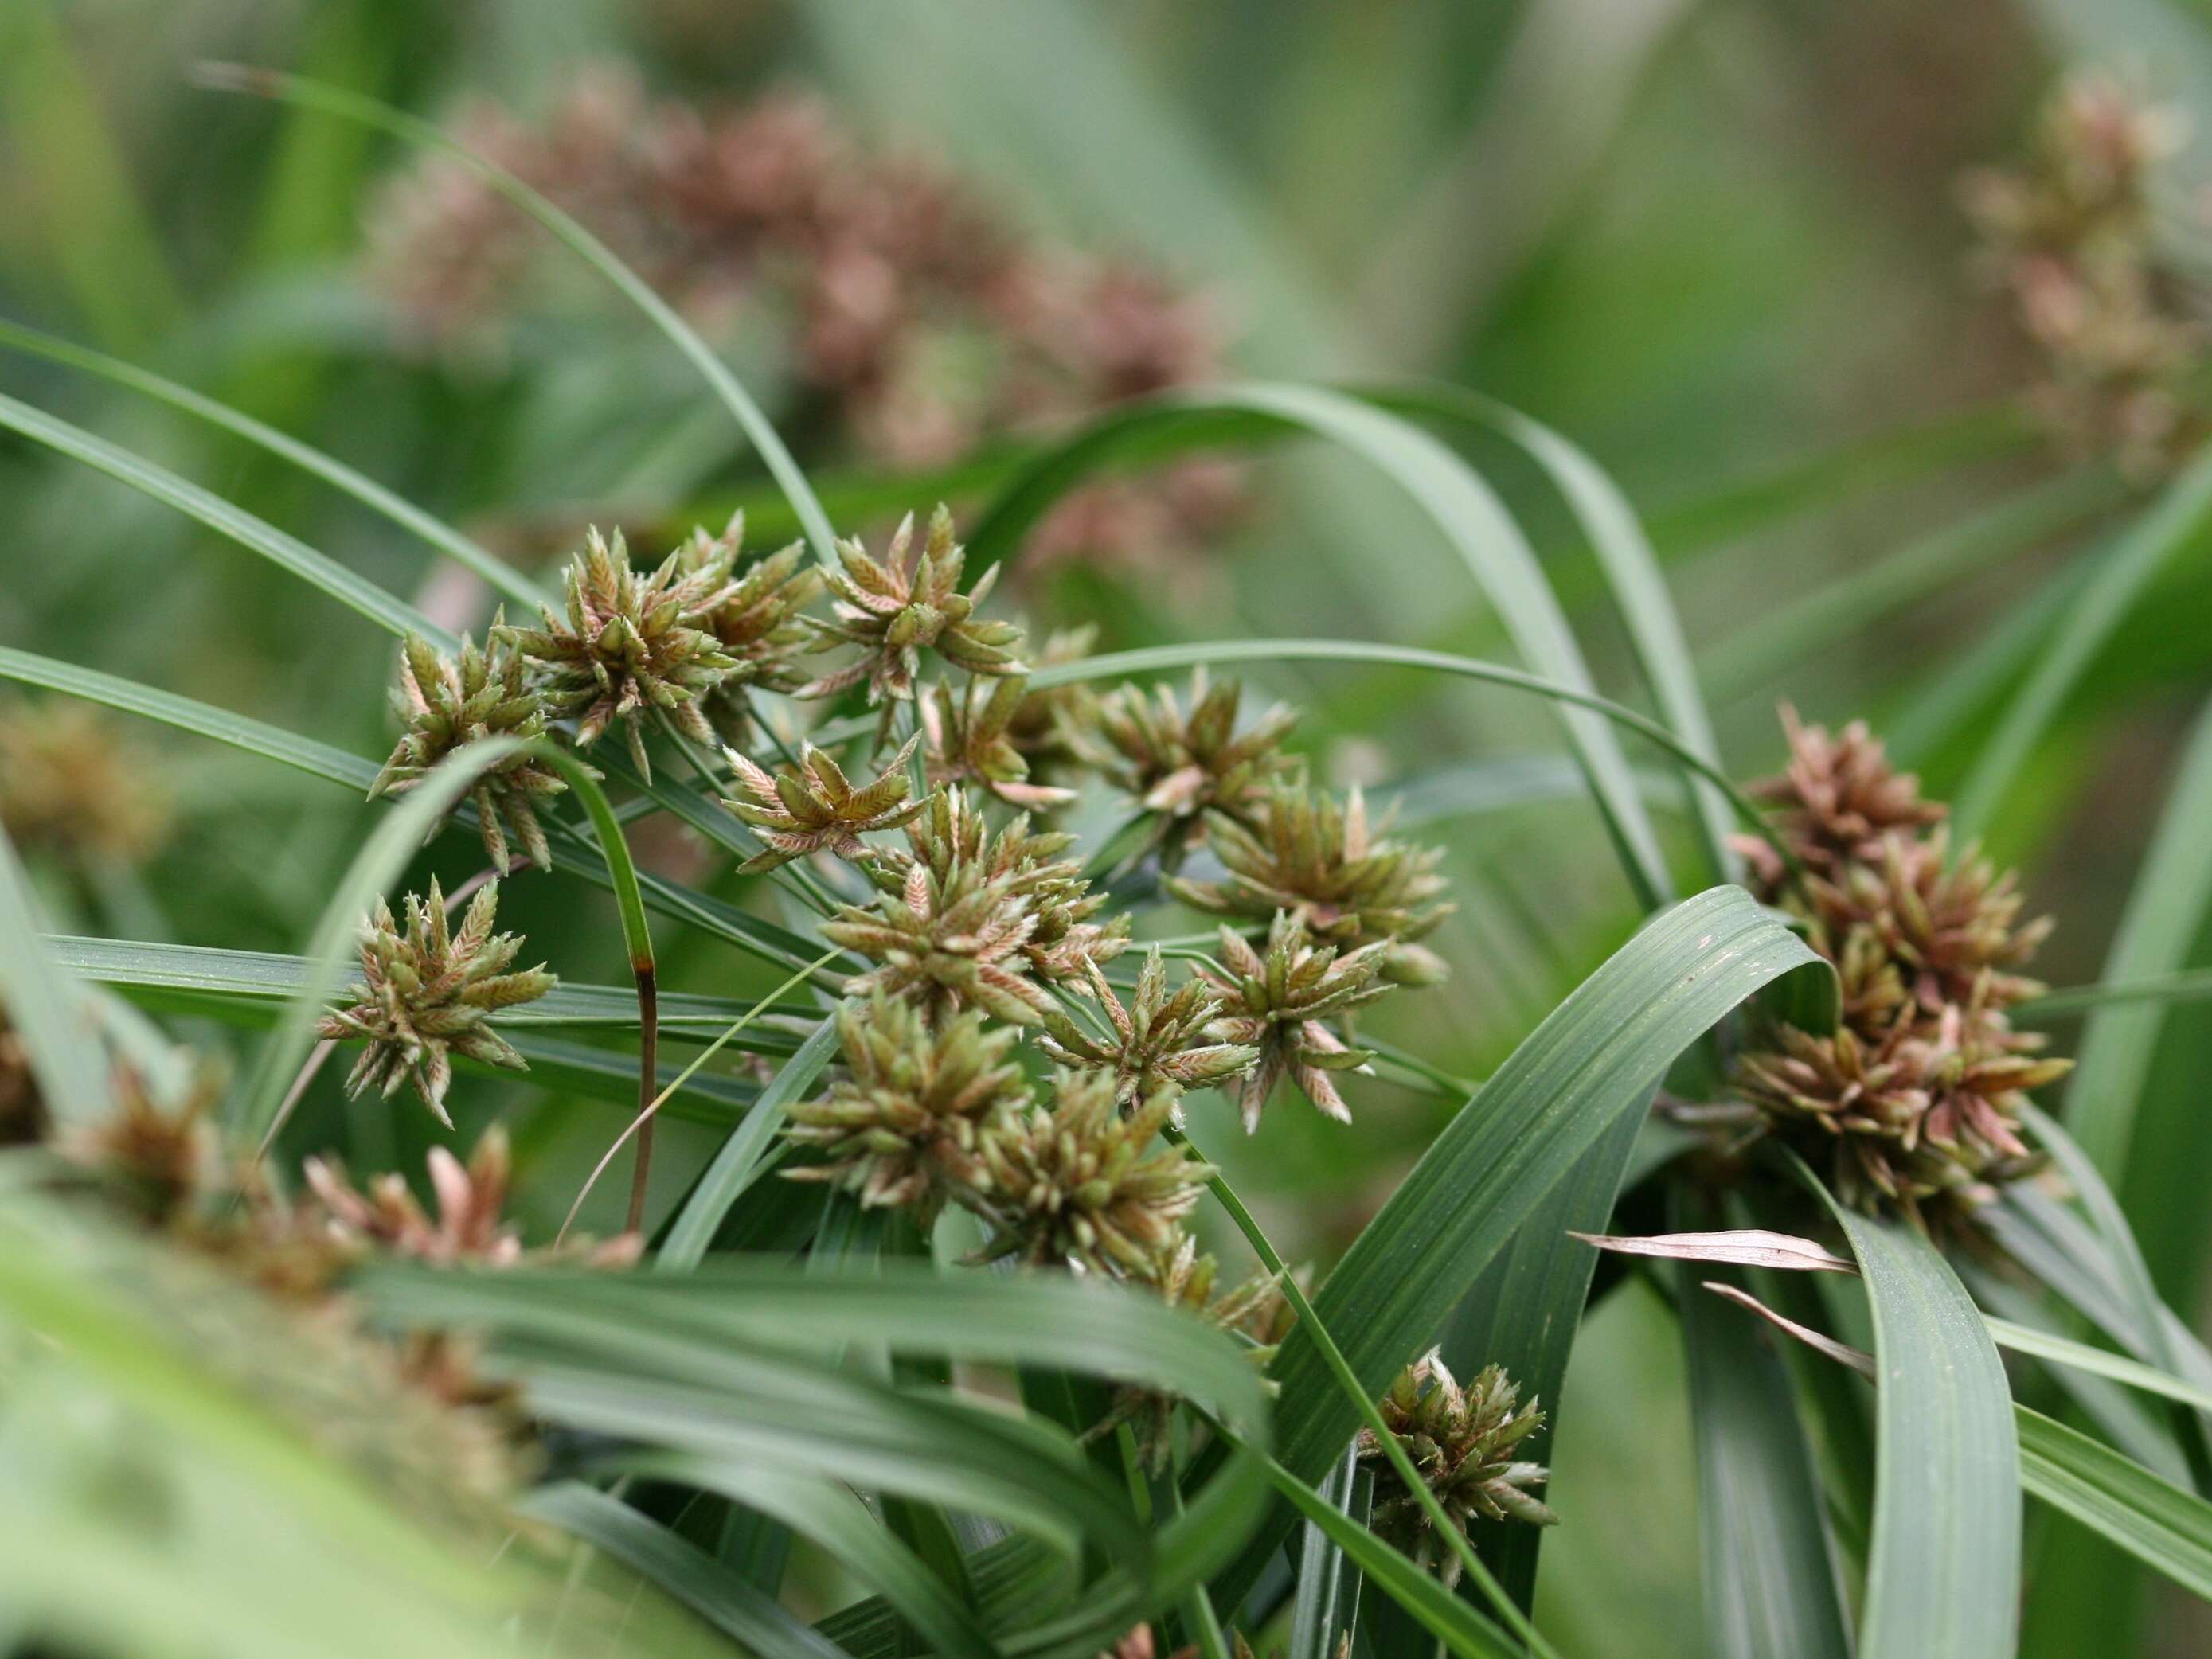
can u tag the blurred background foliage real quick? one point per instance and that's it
(1718, 244)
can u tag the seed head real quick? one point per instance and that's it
(75, 785)
(947, 944)
(1182, 763)
(812, 808)
(1277, 1002)
(910, 602)
(1953, 927)
(1924, 1120)
(905, 1122)
(1159, 1042)
(1836, 801)
(1082, 1186)
(971, 741)
(1351, 885)
(1462, 1441)
(446, 702)
(469, 1227)
(756, 622)
(630, 644)
(429, 992)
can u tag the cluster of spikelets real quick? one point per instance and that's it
(1915, 1100)
(989, 1061)
(2071, 239)
(1462, 1441)
(414, 1410)
(920, 323)
(74, 788)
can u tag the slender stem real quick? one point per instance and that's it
(649, 1059)
(1348, 1379)
(641, 1125)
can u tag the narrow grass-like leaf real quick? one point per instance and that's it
(1156, 659)
(2159, 1523)
(240, 731)
(424, 135)
(2063, 1351)
(842, 1526)
(1742, 1246)
(1594, 1060)
(1464, 509)
(573, 853)
(387, 503)
(1524, 1313)
(1320, 1613)
(1624, 552)
(287, 552)
(42, 1003)
(2177, 522)
(1742, 662)
(260, 979)
(725, 1599)
(2164, 911)
(1770, 1583)
(1943, 1569)
(742, 1157)
(387, 852)
(1458, 1626)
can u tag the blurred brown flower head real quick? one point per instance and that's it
(1914, 1102)
(2071, 237)
(74, 787)
(921, 322)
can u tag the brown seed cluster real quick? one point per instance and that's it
(1914, 1102)
(920, 323)
(2070, 237)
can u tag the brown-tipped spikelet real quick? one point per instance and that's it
(1158, 1041)
(1350, 884)
(1925, 1120)
(755, 619)
(1835, 800)
(908, 602)
(971, 741)
(1278, 1001)
(1462, 1441)
(813, 808)
(629, 644)
(905, 1124)
(1079, 1185)
(429, 992)
(1183, 761)
(445, 702)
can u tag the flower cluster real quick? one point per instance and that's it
(1915, 1100)
(1462, 1441)
(428, 993)
(73, 786)
(919, 323)
(2070, 238)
